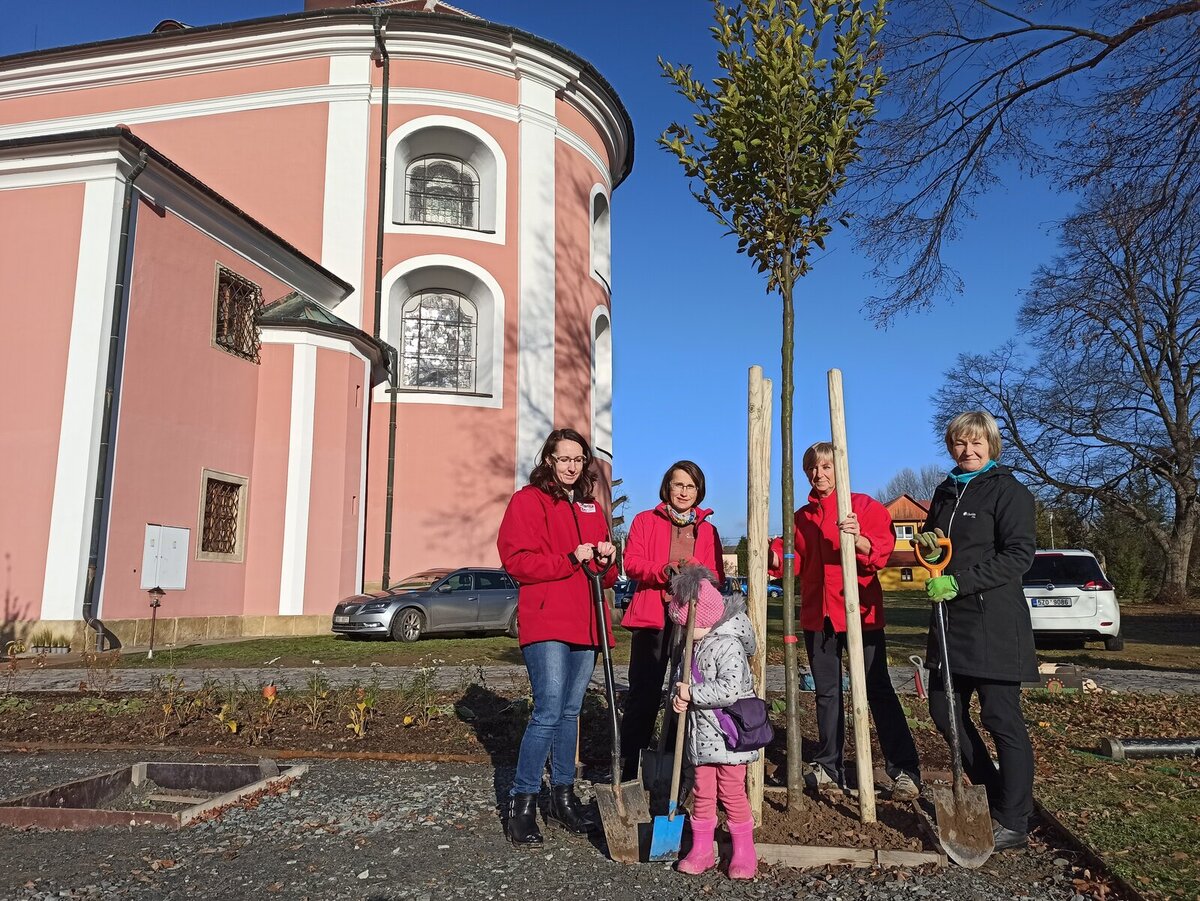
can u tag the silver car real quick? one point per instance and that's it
(437, 600)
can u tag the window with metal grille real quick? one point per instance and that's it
(438, 341)
(222, 516)
(235, 318)
(442, 190)
(906, 575)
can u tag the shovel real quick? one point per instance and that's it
(623, 804)
(668, 831)
(964, 820)
(656, 765)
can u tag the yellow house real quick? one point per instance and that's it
(902, 572)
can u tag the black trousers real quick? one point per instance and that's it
(1009, 789)
(895, 738)
(649, 657)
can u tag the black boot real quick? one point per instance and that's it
(521, 826)
(568, 811)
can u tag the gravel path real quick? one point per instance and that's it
(426, 832)
(452, 677)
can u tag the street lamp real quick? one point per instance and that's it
(156, 596)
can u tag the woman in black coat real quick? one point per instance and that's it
(989, 517)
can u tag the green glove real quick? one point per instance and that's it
(942, 588)
(926, 544)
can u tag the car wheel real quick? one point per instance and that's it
(1115, 643)
(511, 631)
(408, 625)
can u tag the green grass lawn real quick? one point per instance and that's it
(1155, 638)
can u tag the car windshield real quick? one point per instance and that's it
(1063, 569)
(421, 580)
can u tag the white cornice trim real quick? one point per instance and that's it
(446, 41)
(326, 93)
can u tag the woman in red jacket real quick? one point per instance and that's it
(552, 528)
(823, 620)
(675, 532)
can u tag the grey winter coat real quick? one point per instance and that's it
(721, 658)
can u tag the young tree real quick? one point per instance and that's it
(982, 89)
(774, 135)
(1108, 412)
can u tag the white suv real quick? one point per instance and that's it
(1070, 598)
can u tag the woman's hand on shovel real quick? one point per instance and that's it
(683, 695)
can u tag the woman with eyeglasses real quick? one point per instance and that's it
(661, 540)
(553, 527)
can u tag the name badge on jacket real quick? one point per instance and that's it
(587, 508)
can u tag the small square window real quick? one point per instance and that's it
(904, 532)
(906, 574)
(235, 315)
(222, 517)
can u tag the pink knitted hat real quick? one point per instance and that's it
(696, 581)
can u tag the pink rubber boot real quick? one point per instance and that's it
(743, 864)
(700, 858)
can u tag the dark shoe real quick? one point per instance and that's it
(568, 811)
(1005, 838)
(521, 826)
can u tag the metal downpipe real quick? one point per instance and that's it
(108, 417)
(381, 54)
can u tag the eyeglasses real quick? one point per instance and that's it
(682, 488)
(578, 461)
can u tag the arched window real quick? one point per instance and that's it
(442, 190)
(438, 342)
(602, 383)
(601, 237)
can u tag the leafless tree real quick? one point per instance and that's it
(917, 485)
(1108, 409)
(1079, 91)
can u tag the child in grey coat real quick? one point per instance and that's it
(721, 675)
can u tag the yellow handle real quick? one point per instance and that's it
(935, 569)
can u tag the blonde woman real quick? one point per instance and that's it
(989, 517)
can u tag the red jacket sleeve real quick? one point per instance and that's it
(638, 564)
(876, 525)
(520, 544)
(776, 547)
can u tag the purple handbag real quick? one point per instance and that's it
(746, 724)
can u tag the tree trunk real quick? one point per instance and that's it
(1178, 557)
(795, 782)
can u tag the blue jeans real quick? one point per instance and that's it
(559, 674)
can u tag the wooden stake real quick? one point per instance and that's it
(858, 685)
(758, 472)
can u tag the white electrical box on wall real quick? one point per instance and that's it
(165, 558)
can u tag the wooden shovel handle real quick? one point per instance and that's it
(936, 569)
(681, 724)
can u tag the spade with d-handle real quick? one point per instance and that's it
(667, 834)
(964, 820)
(622, 805)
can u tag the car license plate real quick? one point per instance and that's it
(1050, 602)
(341, 619)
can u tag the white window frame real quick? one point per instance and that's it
(452, 137)
(602, 383)
(449, 273)
(904, 533)
(239, 553)
(600, 236)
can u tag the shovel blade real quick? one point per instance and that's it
(964, 824)
(622, 807)
(656, 776)
(667, 836)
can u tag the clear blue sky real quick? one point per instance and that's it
(690, 316)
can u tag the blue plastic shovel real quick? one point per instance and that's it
(667, 834)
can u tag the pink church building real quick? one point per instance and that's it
(296, 301)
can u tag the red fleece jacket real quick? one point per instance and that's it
(555, 599)
(819, 561)
(647, 553)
